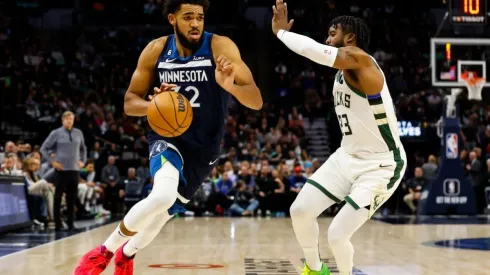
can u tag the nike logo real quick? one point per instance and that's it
(383, 166)
(170, 60)
(213, 162)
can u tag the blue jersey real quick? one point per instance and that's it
(195, 78)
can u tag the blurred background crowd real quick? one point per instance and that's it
(267, 156)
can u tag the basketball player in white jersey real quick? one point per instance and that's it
(370, 163)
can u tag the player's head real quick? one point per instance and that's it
(348, 31)
(187, 18)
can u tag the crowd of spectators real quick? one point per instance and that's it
(264, 161)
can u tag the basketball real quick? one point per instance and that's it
(169, 114)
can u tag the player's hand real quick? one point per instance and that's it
(165, 87)
(280, 19)
(225, 73)
(80, 164)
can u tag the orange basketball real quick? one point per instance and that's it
(169, 114)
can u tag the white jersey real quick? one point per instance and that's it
(368, 123)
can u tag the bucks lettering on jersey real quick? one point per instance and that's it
(368, 123)
(194, 77)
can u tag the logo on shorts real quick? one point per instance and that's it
(377, 202)
(452, 146)
(158, 148)
(451, 187)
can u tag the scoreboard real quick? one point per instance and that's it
(468, 12)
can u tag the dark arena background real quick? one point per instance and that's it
(79, 56)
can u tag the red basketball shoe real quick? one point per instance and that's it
(124, 264)
(94, 262)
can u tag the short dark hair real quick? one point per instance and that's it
(173, 6)
(355, 25)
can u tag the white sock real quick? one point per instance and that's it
(161, 198)
(144, 238)
(309, 204)
(343, 226)
(115, 240)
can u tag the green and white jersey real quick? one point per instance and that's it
(368, 123)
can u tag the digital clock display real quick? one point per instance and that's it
(468, 12)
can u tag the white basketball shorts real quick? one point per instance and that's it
(361, 180)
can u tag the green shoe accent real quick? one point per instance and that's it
(323, 271)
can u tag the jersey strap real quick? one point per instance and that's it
(376, 103)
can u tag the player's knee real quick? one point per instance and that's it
(336, 235)
(162, 202)
(300, 210)
(164, 193)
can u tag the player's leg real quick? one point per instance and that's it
(163, 195)
(343, 226)
(144, 238)
(321, 191)
(194, 177)
(372, 188)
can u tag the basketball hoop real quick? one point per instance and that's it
(474, 84)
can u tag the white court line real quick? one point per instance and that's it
(55, 241)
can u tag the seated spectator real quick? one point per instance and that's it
(8, 166)
(276, 156)
(113, 192)
(37, 186)
(228, 169)
(414, 186)
(47, 165)
(133, 188)
(430, 168)
(245, 176)
(245, 203)
(219, 200)
(88, 190)
(132, 177)
(266, 188)
(215, 175)
(143, 172)
(279, 200)
(297, 180)
(110, 173)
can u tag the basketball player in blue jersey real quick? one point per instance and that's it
(206, 68)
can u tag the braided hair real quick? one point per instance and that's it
(355, 25)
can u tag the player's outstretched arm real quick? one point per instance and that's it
(344, 58)
(233, 75)
(134, 102)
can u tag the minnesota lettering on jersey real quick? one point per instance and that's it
(183, 76)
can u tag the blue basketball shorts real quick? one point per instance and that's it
(193, 170)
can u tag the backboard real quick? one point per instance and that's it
(451, 57)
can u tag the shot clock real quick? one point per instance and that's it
(468, 12)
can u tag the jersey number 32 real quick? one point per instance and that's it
(192, 101)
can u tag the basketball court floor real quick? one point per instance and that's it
(259, 246)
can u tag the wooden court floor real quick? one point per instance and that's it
(266, 246)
